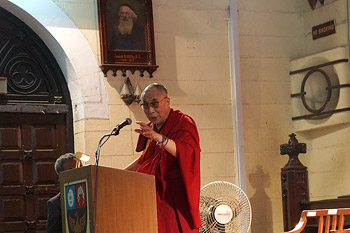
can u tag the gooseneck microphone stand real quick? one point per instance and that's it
(102, 141)
(105, 137)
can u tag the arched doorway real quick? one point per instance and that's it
(35, 126)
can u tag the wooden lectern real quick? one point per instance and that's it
(125, 201)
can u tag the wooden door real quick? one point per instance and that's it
(29, 146)
(35, 126)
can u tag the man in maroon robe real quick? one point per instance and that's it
(171, 152)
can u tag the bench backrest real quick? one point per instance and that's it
(328, 219)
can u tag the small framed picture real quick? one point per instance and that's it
(126, 36)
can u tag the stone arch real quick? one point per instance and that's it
(67, 44)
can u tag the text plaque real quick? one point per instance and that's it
(323, 30)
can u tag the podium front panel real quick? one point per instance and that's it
(124, 201)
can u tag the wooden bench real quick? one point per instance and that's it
(329, 220)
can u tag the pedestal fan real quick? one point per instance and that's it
(224, 208)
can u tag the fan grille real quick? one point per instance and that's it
(224, 193)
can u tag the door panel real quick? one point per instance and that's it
(14, 206)
(29, 146)
(10, 140)
(11, 173)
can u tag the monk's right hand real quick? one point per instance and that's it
(148, 132)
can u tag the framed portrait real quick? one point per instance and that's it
(126, 36)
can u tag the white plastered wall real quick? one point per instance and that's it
(328, 148)
(270, 35)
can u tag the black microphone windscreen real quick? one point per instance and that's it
(129, 121)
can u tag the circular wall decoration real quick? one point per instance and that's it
(317, 97)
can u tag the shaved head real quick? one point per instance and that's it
(158, 86)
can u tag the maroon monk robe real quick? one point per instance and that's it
(177, 179)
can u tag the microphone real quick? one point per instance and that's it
(119, 126)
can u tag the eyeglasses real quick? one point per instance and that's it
(153, 104)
